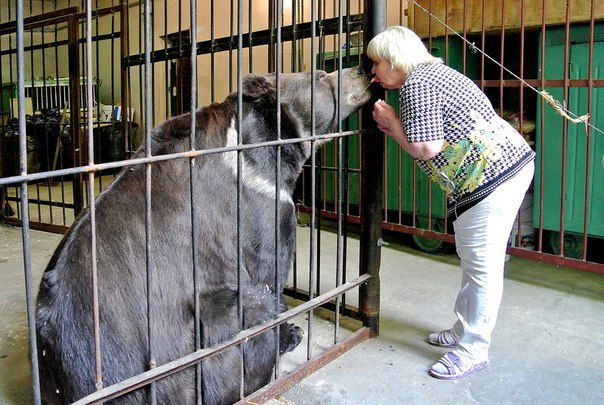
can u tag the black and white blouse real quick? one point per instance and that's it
(480, 151)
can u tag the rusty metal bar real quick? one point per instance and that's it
(558, 260)
(588, 129)
(542, 84)
(341, 181)
(418, 231)
(156, 158)
(74, 106)
(372, 183)
(519, 233)
(501, 57)
(312, 260)
(288, 380)
(564, 128)
(53, 17)
(483, 43)
(92, 209)
(548, 82)
(278, 178)
(149, 262)
(38, 226)
(534, 255)
(38, 20)
(27, 263)
(125, 80)
(328, 26)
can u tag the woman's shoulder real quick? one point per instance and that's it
(434, 69)
(440, 77)
(433, 75)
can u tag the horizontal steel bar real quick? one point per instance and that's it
(39, 20)
(303, 295)
(292, 377)
(328, 26)
(592, 267)
(189, 360)
(98, 38)
(59, 204)
(38, 226)
(161, 158)
(418, 231)
(538, 83)
(527, 254)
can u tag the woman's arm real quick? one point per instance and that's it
(388, 122)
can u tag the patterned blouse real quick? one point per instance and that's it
(480, 151)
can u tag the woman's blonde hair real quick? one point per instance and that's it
(401, 47)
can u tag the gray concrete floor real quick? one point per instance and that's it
(548, 346)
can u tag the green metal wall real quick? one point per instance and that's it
(550, 139)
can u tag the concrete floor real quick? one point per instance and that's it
(548, 346)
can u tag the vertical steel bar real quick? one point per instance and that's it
(4, 205)
(346, 151)
(279, 67)
(271, 45)
(588, 138)
(88, 107)
(169, 83)
(483, 42)
(320, 182)
(240, 183)
(502, 56)
(194, 206)
(27, 264)
(231, 23)
(372, 172)
(96, 102)
(521, 108)
(150, 269)
(62, 105)
(180, 79)
(74, 107)
(465, 33)
(49, 103)
(125, 73)
(313, 180)
(294, 58)
(566, 84)
(250, 39)
(541, 145)
(36, 95)
(340, 178)
(212, 53)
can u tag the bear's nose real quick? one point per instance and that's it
(360, 70)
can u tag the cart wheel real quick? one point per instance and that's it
(429, 245)
(573, 244)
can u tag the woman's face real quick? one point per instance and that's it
(386, 76)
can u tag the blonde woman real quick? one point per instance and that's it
(484, 166)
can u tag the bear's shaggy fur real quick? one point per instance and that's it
(65, 330)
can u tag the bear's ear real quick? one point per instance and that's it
(255, 87)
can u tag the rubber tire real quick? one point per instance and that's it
(573, 244)
(430, 245)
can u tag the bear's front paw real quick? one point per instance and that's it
(290, 337)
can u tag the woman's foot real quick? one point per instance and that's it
(444, 338)
(451, 367)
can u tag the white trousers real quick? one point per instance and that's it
(481, 237)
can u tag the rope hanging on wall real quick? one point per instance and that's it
(559, 107)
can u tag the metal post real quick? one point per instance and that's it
(74, 107)
(372, 184)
